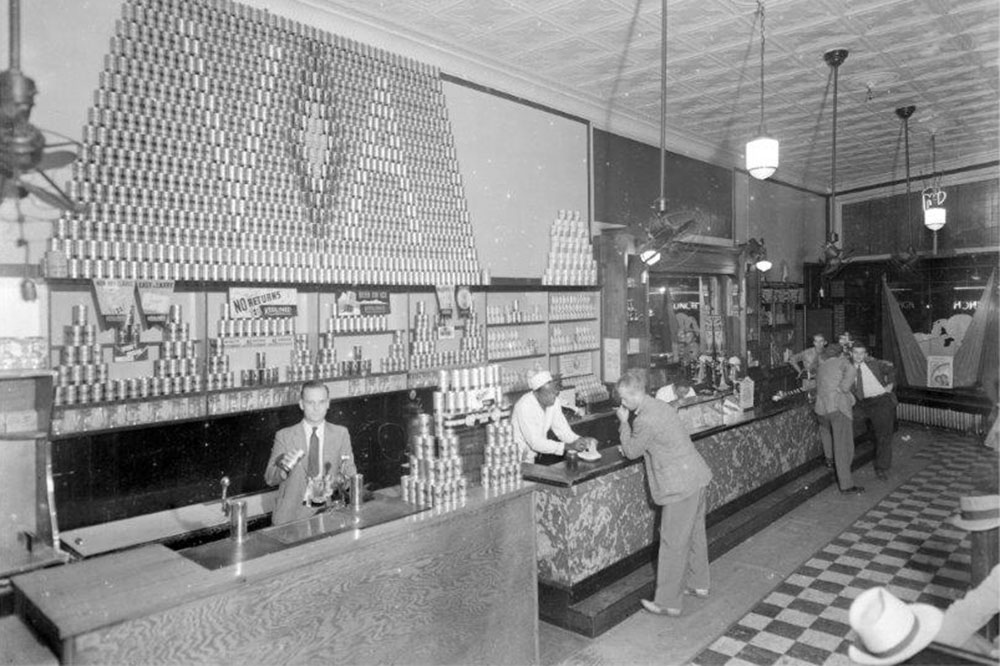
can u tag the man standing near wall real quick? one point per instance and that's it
(835, 379)
(873, 388)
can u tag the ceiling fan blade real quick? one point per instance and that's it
(56, 159)
(52, 199)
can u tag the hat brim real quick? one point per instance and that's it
(974, 525)
(930, 623)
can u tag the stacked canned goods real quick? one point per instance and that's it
(229, 326)
(326, 357)
(82, 374)
(397, 357)
(201, 185)
(218, 374)
(574, 305)
(513, 313)
(424, 351)
(357, 324)
(435, 477)
(467, 391)
(301, 367)
(176, 371)
(571, 256)
(509, 343)
(582, 336)
(589, 389)
(261, 374)
(501, 459)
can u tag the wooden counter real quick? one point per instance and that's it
(436, 587)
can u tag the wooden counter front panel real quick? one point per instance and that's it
(462, 591)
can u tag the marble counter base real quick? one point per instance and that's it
(583, 529)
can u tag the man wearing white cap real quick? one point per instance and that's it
(537, 413)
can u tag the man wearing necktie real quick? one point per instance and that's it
(307, 456)
(876, 403)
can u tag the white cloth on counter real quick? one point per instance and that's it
(532, 423)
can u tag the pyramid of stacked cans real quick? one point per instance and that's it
(435, 477)
(176, 371)
(571, 257)
(82, 375)
(395, 359)
(301, 367)
(188, 170)
(424, 352)
(501, 458)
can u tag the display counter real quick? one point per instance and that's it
(432, 587)
(596, 522)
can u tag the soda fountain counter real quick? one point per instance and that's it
(595, 523)
(424, 586)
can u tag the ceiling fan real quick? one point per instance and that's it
(663, 228)
(23, 147)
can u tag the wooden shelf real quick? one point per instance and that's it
(22, 436)
(515, 358)
(26, 374)
(518, 323)
(571, 320)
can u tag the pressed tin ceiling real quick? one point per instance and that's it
(941, 55)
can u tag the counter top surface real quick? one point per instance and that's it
(84, 596)
(612, 459)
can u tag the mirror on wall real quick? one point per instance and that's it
(690, 315)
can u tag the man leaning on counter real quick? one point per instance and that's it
(309, 459)
(539, 412)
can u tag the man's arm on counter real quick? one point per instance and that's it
(560, 426)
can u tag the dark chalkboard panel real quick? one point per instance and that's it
(878, 226)
(627, 182)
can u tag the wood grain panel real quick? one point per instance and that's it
(461, 592)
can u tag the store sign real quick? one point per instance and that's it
(253, 302)
(154, 299)
(363, 302)
(115, 299)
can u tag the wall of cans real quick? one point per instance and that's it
(572, 338)
(429, 346)
(573, 305)
(501, 468)
(571, 256)
(229, 144)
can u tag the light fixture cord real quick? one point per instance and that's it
(906, 138)
(763, 40)
(663, 100)
(14, 12)
(833, 157)
(935, 181)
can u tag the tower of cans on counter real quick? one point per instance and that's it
(435, 477)
(501, 459)
(466, 393)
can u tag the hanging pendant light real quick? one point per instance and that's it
(762, 152)
(935, 215)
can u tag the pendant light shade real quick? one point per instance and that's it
(650, 257)
(935, 217)
(762, 152)
(762, 157)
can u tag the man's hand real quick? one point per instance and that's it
(889, 387)
(287, 461)
(622, 413)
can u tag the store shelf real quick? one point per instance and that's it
(518, 323)
(26, 374)
(572, 319)
(23, 435)
(574, 351)
(497, 359)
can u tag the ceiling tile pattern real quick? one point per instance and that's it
(941, 55)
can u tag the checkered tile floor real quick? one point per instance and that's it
(902, 543)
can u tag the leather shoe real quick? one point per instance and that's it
(657, 610)
(853, 490)
(882, 474)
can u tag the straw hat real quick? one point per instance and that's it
(978, 513)
(540, 379)
(891, 631)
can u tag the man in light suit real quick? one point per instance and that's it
(311, 449)
(873, 389)
(678, 477)
(834, 407)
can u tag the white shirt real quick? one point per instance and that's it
(532, 423)
(871, 386)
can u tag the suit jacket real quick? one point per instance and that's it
(884, 372)
(834, 386)
(674, 467)
(336, 443)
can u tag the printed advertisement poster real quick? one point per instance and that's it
(115, 299)
(940, 371)
(154, 299)
(363, 302)
(446, 300)
(254, 302)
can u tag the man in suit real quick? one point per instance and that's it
(834, 408)
(678, 477)
(873, 389)
(308, 455)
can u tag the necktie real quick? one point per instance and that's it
(860, 388)
(313, 467)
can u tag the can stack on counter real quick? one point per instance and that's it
(502, 464)
(301, 367)
(435, 477)
(571, 256)
(464, 392)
